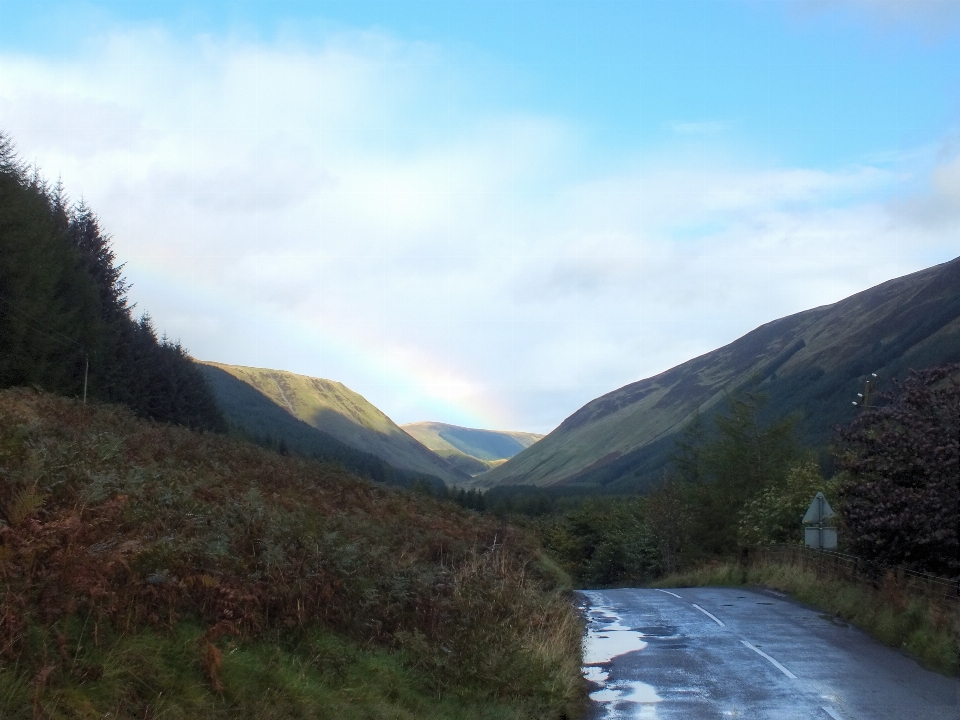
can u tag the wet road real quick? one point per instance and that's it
(705, 653)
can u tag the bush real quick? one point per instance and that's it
(901, 492)
(775, 514)
(116, 528)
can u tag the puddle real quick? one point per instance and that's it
(596, 675)
(658, 631)
(633, 700)
(607, 638)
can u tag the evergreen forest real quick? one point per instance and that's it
(66, 323)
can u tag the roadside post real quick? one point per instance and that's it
(815, 535)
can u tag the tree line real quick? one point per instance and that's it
(66, 323)
(736, 483)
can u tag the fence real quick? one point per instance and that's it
(830, 564)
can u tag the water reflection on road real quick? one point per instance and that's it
(710, 653)
(607, 638)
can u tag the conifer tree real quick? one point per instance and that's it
(63, 305)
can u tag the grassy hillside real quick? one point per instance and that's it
(151, 571)
(258, 418)
(328, 406)
(812, 363)
(473, 451)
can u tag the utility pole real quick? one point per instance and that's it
(86, 373)
(866, 397)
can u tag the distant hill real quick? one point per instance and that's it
(812, 363)
(322, 418)
(473, 451)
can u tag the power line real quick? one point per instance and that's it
(51, 333)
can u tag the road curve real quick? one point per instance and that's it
(705, 653)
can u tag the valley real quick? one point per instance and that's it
(473, 451)
(184, 538)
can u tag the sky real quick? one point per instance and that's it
(490, 212)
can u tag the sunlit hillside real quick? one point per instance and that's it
(473, 451)
(326, 405)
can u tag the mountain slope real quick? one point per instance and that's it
(473, 451)
(328, 406)
(812, 362)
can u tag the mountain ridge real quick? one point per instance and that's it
(329, 407)
(806, 362)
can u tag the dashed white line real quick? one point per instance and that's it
(669, 593)
(712, 617)
(778, 666)
(831, 713)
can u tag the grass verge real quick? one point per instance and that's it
(148, 571)
(924, 629)
(166, 676)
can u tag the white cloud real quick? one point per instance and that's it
(331, 211)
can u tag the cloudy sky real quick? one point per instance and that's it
(489, 212)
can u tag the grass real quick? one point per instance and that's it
(888, 612)
(162, 676)
(157, 572)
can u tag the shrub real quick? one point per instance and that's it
(902, 465)
(125, 527)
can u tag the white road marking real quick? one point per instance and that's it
(669, 593)
(831, 713)
(712, 617)
(777, 665)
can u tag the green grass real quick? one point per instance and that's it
(322, 675)
(925, 630)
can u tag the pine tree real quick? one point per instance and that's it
(63, 304)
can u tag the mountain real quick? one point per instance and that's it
(322, 418)
(812, 363)
(473, 451)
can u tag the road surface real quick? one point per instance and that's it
(705, 653)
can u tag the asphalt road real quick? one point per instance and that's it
(705, 653)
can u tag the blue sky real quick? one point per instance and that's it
(790, 81)
(484, 212)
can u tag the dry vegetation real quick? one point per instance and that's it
(150, 571)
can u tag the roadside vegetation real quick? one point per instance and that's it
(738, 485)
(154, 571)
(884, 607)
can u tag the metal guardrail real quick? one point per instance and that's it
(829, 563)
